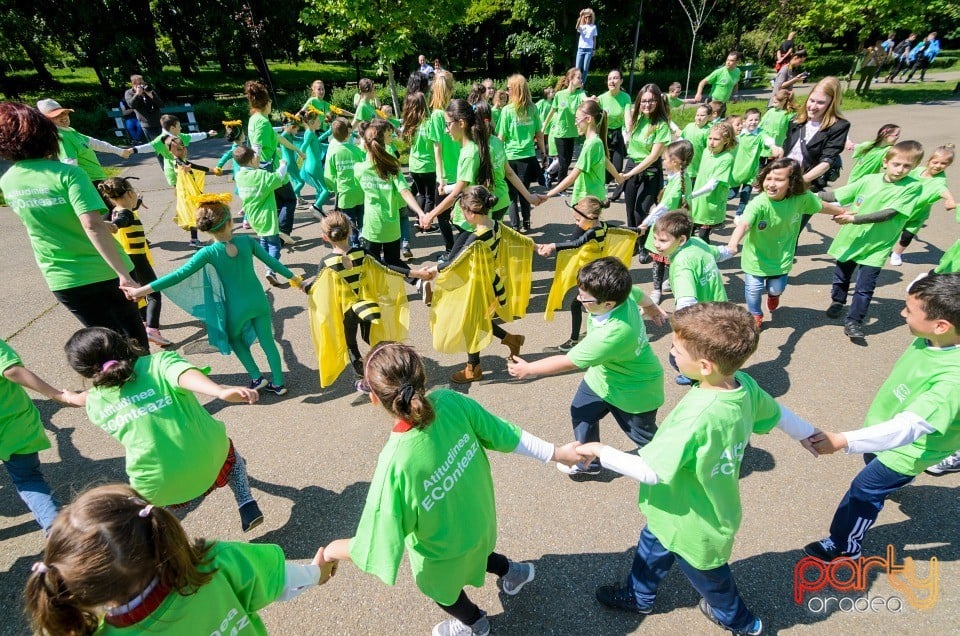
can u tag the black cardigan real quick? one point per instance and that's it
(826, 145)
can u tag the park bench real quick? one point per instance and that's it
(747, 75)
(188, 119)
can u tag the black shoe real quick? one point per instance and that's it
(357, 364)
(616, 597)
(853, 329)
(834, 310)
(250, 516)
(754, 629)
(826, 550)
(643, 257)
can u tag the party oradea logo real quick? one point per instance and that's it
(842, 584)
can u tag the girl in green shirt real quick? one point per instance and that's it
(418, 133)
(446, 150)
(713, 180)
(116, 564)
(616, 103)
(868, 156)
(519, 128)
(933, 180)
(564, 108)
(318, 102)
(367, 106)
(587, 177)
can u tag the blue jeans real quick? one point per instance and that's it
(286, 207)
(754, 286)
(651, 564)
(862, 292)
(583, 62)
(862, 504)
(588, 408)
(404, 225)
(355, 214)
(272, 245)
(25, 474)
(746, 191)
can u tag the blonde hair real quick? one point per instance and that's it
(519, 94)
(829, 86)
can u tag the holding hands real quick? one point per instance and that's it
(825, 443)
(327, 568)
(546, 249)
(654, 313)
(238, 394)
(844, 218)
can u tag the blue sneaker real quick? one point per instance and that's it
(683, 380)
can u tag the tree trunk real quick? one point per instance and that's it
(36, 58)
(141, 25)
(183, 60)
(686, 87)
(101, 77)
(393, 89)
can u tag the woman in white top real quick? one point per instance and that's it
(587, 28)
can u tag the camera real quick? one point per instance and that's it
(122, 217)
(145, 87)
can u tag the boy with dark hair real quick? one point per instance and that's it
(690, 472)
(339, 177)
(880, 205)
(171, 128)
(624, 377)
(913, 423)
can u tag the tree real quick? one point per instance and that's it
(697, 12)
(384, 29)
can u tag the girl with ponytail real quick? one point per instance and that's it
(449, 531)
(116, 564)
(588, 177)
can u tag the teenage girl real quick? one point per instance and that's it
(446, 150)
(675, 196)
(477, 202)
(616, 103)
(769, 226)
(519, 128)
(868, 156)
(317, 101)
(593, 164)
(125, 201)
(564, 109)
(586, 216)
(176, 452)
(247, 307)
(449, 539)
(708, 207)
(648, 136)
(367, 106)
(115, 564)
(291, 125)
(418, 133)
(315, 149)
(696, 132)
(383, 188)
(933, 182)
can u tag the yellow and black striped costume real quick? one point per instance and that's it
(491, 238)
(133, 239)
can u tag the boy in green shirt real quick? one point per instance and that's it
(750, 145)
(624, 377)
(913, 423)
(881, 204)
(690, 472)
(256, 188)
(338, 173)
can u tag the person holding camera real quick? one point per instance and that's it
(587, 42)
(143, 99)
(789, 74)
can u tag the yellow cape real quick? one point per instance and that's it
(464, 302)
(189, 188)
(619, 242)
(514, 265)
(330, 297)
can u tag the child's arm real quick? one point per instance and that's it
(655, 153)
(627, 464)
(195, 381)
(949, 201)
(444, 205)
(289, 145)
(101, 146)
(438, 159)
(521, 187)
(860, 219)
(905, 428)
(709, 186)
(200, 136)
(532, 446)
(27, 378)
(651, 310)
(613, 172)
(739, 231)
(520, 368)
(566, 183)
(653, 217)
(260, 253)
(98, 233)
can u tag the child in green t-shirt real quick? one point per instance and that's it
(933, 188)
(689, 473)
(291, 125)
(751, 142)
(696, 133)
(115, 564)
(624, 377)
(340, 178)
(367, 104)
(432, 491)
(709, 206)
(881, 205)
(588, 175)
(781, 112)
(868, 156)
(171, 128)
(314, 148)
(257, 188)
(913, 423)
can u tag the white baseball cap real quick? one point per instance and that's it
(51, 108)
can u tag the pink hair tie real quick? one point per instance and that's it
(109, 364)
(145, 512)
(40, 567)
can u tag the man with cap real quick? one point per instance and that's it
(77, 149)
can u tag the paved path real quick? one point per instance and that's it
(311, 454)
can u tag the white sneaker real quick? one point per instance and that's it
(665, 288)
(516, 577)
(896, 259)
(655, 297)
(454, 627)
(949, 465)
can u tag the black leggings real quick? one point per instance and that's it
(498, 332)
(351, 323)
(659, 273)
(641, 192)
(425, 189)
(387, 253)
(703, 232)
(576, 319)
(465, 610)
(104, 305)
(144, 274)
(526, 170)
(618, 149)
(564, 154)
(906, 238)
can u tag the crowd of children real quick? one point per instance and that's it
(117, 560)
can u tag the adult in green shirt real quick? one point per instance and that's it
(77, 149)
(80, 261)
(432, 491)
(617, 104)
(723, 81)
(624, 377)
(564, 109)
(519, 128)
(317, 101)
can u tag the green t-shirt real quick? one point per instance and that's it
(498, 159)
(323, 106)
(261, 133)
(468, 165)
(247, 577)
(775, 123)
(169, 163)
(645, 134)
(339, 175)
(565, 105)
(449, 149)
(615, 106)
(871, 243)
(592, 164)
(770, 243)
(49, 197)
(925, 381)
(623, 369)
(950, 262)
(256, 192)
(711, 209)
(867, 159)
(432, 493)
(694, 272)
(381, 205)
(543, 108)
(21, 432)
(673, 197)
(697, 136)
(366, 111)
(422, 159)
(931, 190)
(675, 102)
(519, 133)
(76, 146)
(695, 510)
(722, 83)
(746, 160)
(174, 447)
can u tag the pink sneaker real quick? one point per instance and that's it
(153, 335)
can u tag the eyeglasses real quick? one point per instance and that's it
(586, 301)
(448, 123)
(648, 101)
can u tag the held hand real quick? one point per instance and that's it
(72, 398)
(776, 152)
(546, 249)
(301, 154)
(126, 153)
(567, 454)
(843, 219)
(518, 367)
(619, 179)
(127, 282)
(539, 198)
(697, 98)
(807, 443)
(850, 145)
(826, 442)
(589, 452)
(656, 314)
(733, 248)
(218, 172)
(238, 394)
(211, 133)
(327, 568)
